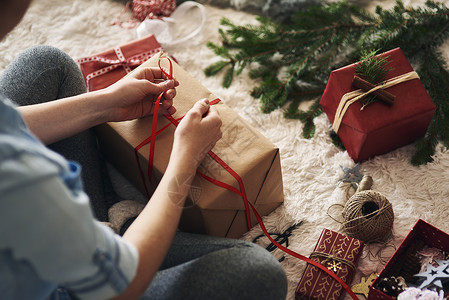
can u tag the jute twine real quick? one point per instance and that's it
(368, 216)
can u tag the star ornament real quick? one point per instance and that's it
(352, 175)
(434, 275)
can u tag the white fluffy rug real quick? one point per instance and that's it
(311, 168)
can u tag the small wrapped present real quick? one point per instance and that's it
(245, 165)
(405, 262)
(105, 68)
(378, 128)
(340, 254)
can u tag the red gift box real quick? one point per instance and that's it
(379, 128)
(105, 68)
(421, 234)
(340, 254)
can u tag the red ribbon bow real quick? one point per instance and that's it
(241, 191)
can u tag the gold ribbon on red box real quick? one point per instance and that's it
(351, 97)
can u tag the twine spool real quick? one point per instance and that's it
(365, 184)
(368, 216)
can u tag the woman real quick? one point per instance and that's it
(52, 246)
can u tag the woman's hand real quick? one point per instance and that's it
(134, 95)
(196, 134)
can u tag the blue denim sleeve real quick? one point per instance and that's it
(52, 228)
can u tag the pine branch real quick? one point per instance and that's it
(291, 60)
(306, 117)
(436, 78)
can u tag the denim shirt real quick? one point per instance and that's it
(50, 242)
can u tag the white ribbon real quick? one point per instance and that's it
(163, 29)
(353, 96)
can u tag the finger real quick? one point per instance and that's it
(213, 117)
(163, 111)
(171, 110)
(167, 104)
(176, 82)
(170, 94)
(145, 73)
(213, 112)
(157, 88)
(151, 74)
(157, 73)
(201, 107)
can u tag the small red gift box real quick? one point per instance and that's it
(105, 68)
(379, 128)
(340, 254)
(422, 234)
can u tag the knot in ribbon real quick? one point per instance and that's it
(351, 97)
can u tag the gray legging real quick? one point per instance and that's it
(196, 266)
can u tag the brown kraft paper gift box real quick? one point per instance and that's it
(209, 209)
(340, 254)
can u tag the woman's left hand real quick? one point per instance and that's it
(134, 95)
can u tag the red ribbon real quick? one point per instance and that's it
(241, 191)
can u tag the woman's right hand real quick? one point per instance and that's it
(197, 133)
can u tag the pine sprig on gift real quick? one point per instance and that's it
(292, 62)
(373, 69)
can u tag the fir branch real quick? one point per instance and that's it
(436, 78)
(329, 36)
(229, 76)
(215, 68)
(425, 146)
(306, 117)
(336, 140)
